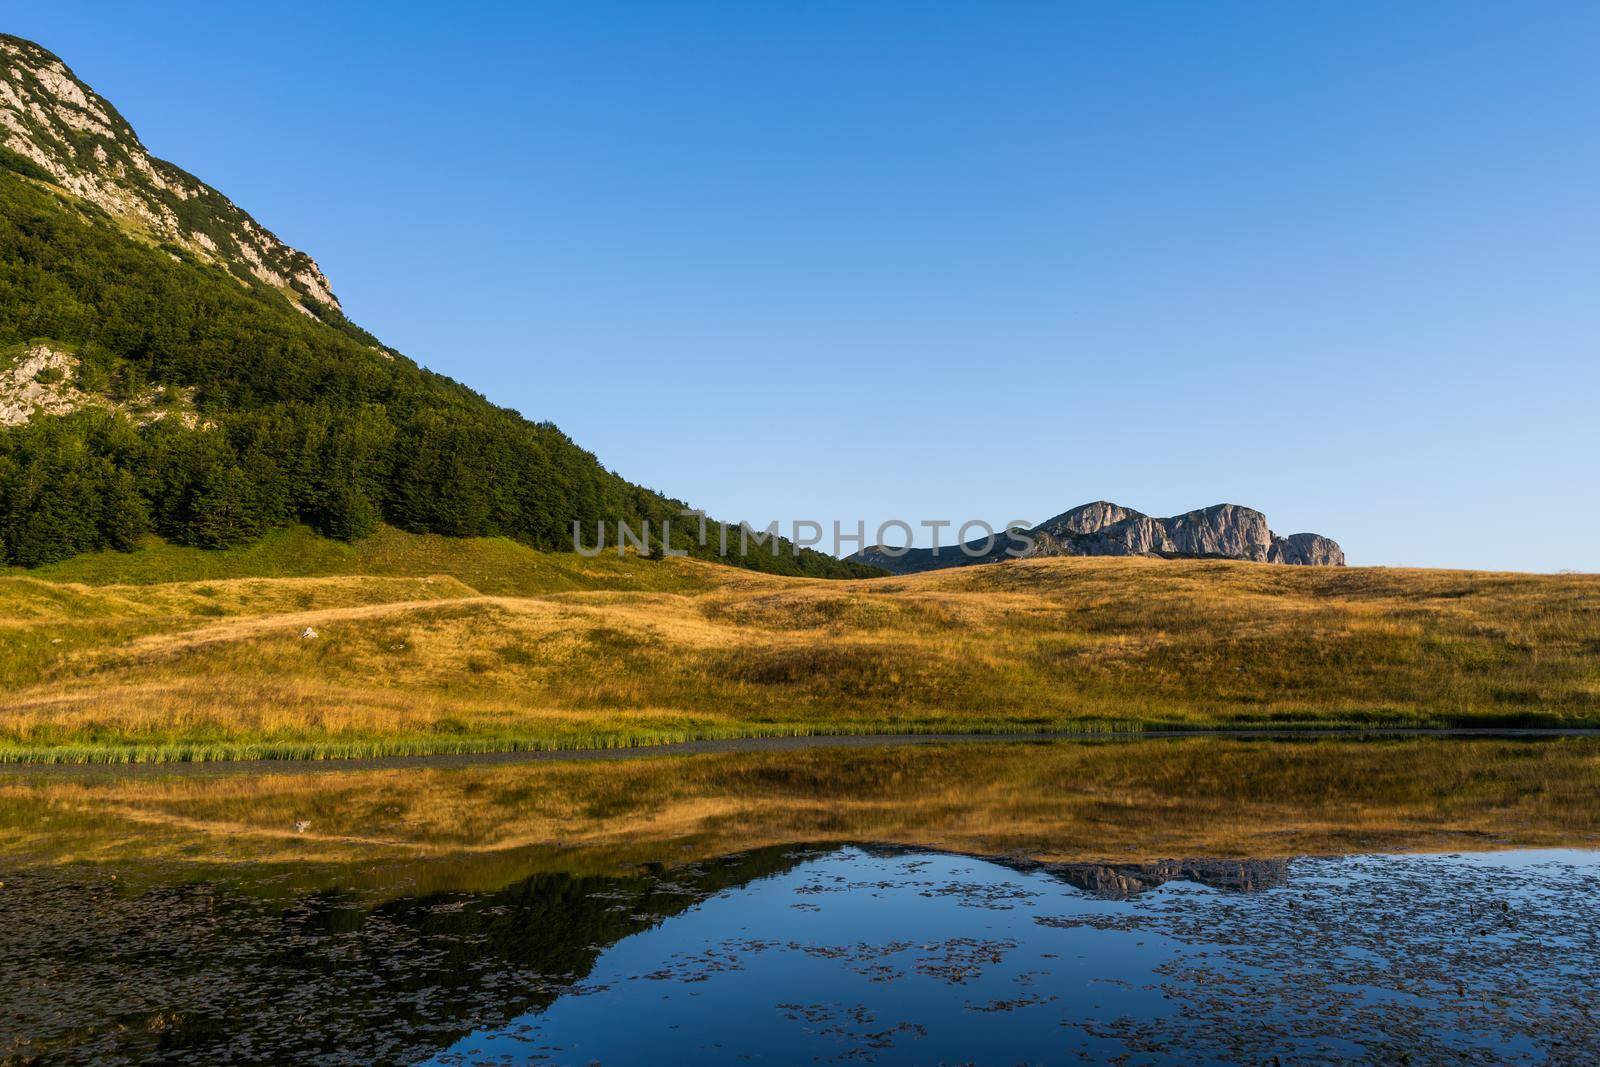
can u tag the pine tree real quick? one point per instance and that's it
(125, 518)
(226, 511)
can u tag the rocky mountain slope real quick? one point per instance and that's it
(168, 366)
(56, 128)
(1101, 528)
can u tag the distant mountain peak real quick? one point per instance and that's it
(1101, 528)
(56, 129)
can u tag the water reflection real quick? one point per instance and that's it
(481, 826)
(855, 956)
(997, 902)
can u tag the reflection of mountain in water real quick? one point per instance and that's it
(1119, 881)
(1122, 880)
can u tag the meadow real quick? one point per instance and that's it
(427, 644)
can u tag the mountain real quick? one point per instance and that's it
(1101, 528)
(169, 366)
(60, 130)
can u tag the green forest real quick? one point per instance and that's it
(294, 417)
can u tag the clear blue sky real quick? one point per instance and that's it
(1340, 262)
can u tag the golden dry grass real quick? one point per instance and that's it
(551, 650)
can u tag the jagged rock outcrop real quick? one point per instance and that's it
(1101, 528)
(41, 379)
(55, 128)
(37, 381)
(1307, 549)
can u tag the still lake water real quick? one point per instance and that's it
(1201, 901)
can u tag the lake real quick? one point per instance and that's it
(1156, 901)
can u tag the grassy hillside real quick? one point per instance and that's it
(494, 565)
(436, 644)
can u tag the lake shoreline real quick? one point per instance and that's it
(705, 746)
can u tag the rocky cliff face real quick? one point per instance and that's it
(1307, 549)
(1101, 528)
(56, 129)
(40, 379)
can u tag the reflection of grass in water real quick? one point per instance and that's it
(430, 645)
(1060, 801)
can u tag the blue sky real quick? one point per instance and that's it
(1339, 262)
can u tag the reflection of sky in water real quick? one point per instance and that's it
(856, 956)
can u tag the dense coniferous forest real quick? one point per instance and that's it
(272, 415)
